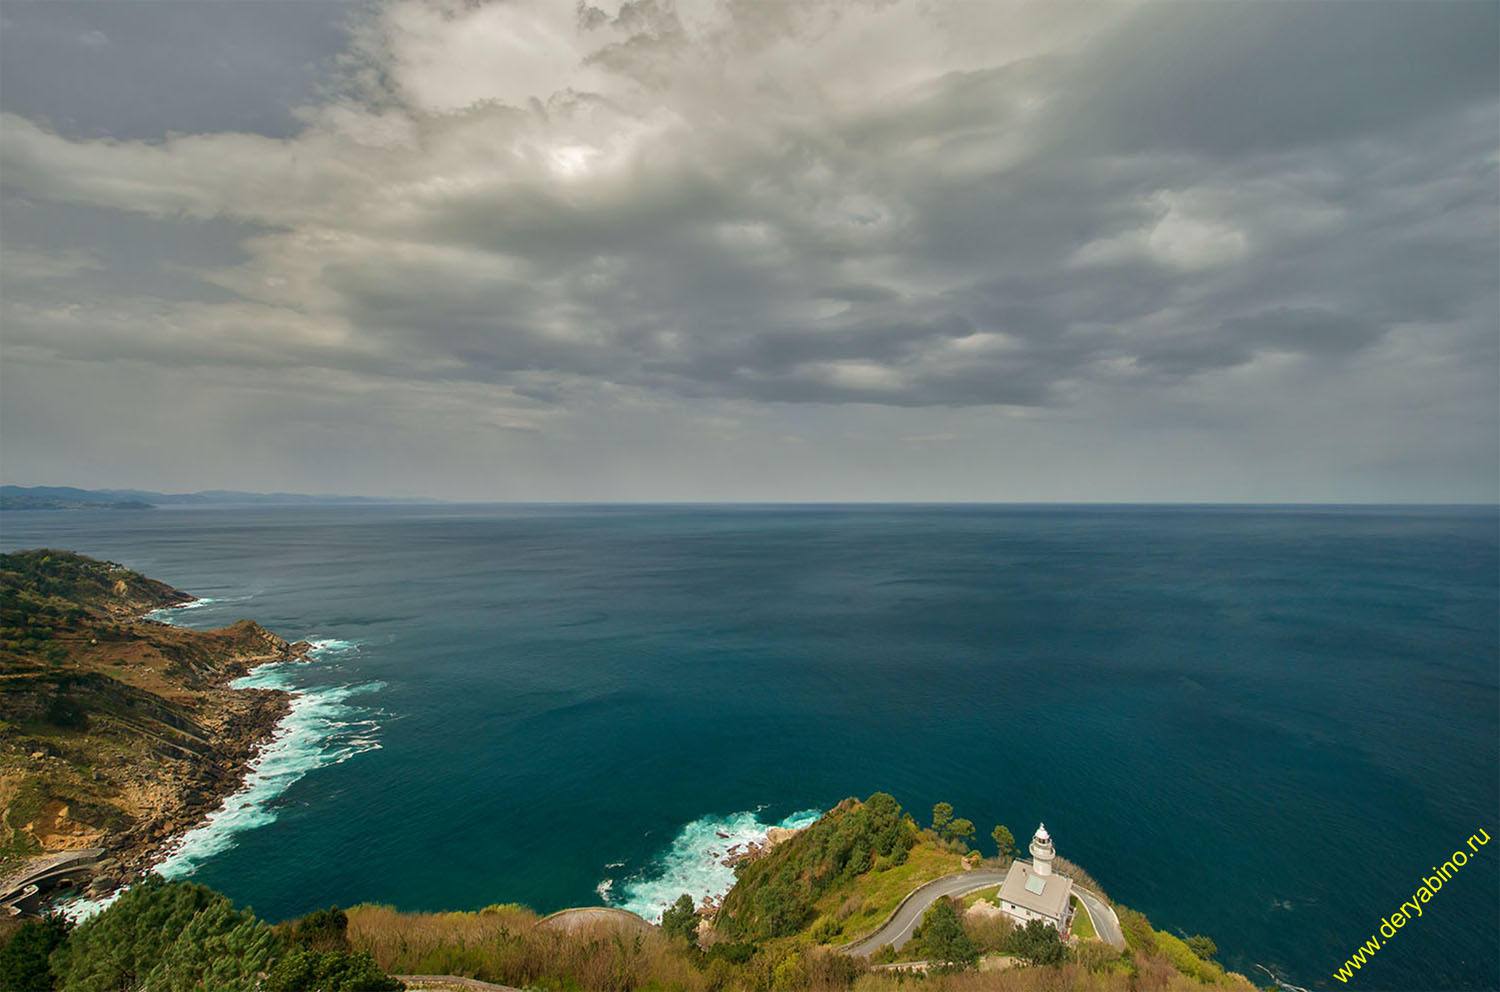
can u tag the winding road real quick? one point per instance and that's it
(897, 930)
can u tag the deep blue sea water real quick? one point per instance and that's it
(1266, 724)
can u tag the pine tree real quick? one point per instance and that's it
(943, 935)
(941, 814)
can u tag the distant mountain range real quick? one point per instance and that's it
(69, 498)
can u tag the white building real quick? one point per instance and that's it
(1032, 892)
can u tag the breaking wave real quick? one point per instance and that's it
(694, 863)
(320, 729)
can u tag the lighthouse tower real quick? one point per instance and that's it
(1042, 852)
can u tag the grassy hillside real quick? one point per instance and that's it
(778, 894)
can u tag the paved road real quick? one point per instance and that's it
(1106, 923)
(897, 930)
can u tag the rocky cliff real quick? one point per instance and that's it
(117, 732)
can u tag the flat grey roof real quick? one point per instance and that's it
(1045, 894)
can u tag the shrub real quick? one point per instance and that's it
(23, 961)
(221, 948)
(825, 930)
(120, 946)
(774, 895)
(305, 970)
(988, 933)
(1203, 946)
(67, 714)
(1037, 943)
(322, 930)
(732, 952)
(854, 903)
(942, 934)
(1095, 956)
(681, 920)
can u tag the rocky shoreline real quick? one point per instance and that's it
(133, 737)
(246, 721)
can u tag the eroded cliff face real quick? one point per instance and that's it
(115, 731)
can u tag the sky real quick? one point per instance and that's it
(753, 251)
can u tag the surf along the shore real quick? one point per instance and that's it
(698, 862)
(320, 728)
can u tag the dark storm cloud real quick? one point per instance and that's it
(132, 70)
(1050, 210)
(1229, 79)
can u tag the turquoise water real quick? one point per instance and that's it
(1264, 724)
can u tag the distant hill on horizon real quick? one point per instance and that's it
(71, 498)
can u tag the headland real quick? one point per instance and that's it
(120, 733)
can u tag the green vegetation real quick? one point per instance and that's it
(320, 930)
(681, 920)
(1037, 943)
(944, 942)
(836, 879)
(1083, 926)
(1203, 947)
(178, 937)
(958, 831)
(942, 815)
(862, 904)
(45, 592)
(1005, 842)
(305, 970)
(99, 710)
(775, 896)
(24, 959)
(1142, 938)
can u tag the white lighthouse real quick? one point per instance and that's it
(1042, 851)
(1032, 892)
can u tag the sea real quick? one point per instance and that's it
(1267, 724)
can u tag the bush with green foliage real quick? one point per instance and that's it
(943, 938)
(774, 895)
(167, 936)
(1037, 943)
(221, 948)
(120, 946)
(68, 714)
(1203, 946)
(942, 813)
(162, 936)
(988, 932)
(306, 970)
(1005, 841)
(24, 959)
(321, 930)
(681, 919)
(960, 831)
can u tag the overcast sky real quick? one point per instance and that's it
(753, 250)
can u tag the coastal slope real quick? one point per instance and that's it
(117, 732)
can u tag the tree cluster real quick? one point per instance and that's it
(178, 937)
(774, 895)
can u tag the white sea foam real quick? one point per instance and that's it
(330, 646)
(166, 613)
(694, 862)
(320, 729)
(79, 910)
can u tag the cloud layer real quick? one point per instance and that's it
(1049, 226)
